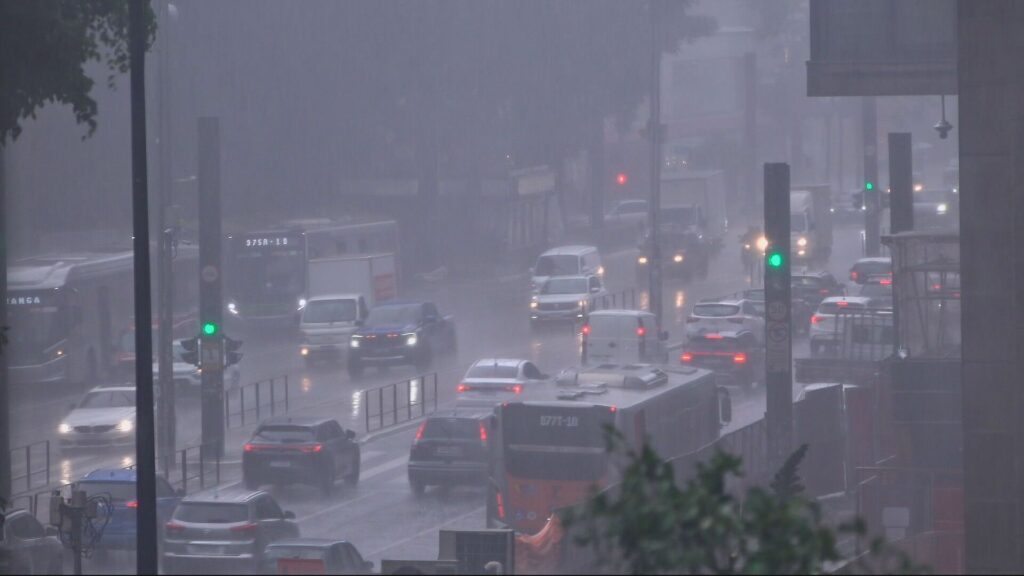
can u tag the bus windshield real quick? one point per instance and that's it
(34, 329)
(555, 443)
(268, 277)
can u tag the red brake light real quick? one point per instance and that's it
(462, 387)
(132, 503)
(739, 358)
(311, 448)
(815, 319)
(250, 527)
(517, 388)
(483, 433)
(641, 331)
(713, 336)
(586, 329)
(885, 281)
(613, 409)
(686, 357)
(419, 431)
(173, 527)
(853, 275)
(250, 447)
(936, 286)
(501, 505)
(842, 303)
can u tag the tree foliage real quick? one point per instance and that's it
(651, 525)
(44, 47)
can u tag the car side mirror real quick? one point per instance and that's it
(663, 336)
(350, 434)
(289, 515)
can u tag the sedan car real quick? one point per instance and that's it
(301, 451)
(565, 299)
(104, 417)
(314, 556)
(30, 548)
(118, 484)
(813, 287)
(224, 531)
(449, 449)
(492, 380)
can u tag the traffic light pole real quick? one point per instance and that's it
(166, 414)
(778, 312)
(872, 241)
(655, 132)
(145, 442)
(210, 301)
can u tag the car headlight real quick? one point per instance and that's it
(354, 343)
(762, 243)
(125, 425)
(64, 428)
(677, 258)
(233, 308)
(304, 351)
(410, 339)
(746, 246)
(302, 303)
(600, 270)
(533, 304)
(941, 209)
(642, 260)
(801, 242)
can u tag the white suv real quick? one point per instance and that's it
(726, 316)
(824, 326)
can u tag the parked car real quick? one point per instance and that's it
(724, 316)
(492, 380)
(224, 531)
(449, 449)
(735, 354)
(399, 333)
(565, 299)
(29, 547)
(119, 485)
(105, 416)
(314, 556)
(314, 451)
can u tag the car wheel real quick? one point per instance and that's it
(355, 368)
(418, 488)
(352, 479)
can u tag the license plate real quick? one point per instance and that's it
(448, 451)
(280, 464)
(200, 549)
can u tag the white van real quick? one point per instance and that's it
(623, 337)
(566, 261)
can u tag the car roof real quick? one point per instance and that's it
(223, 496)
(881, 259)
(573, 250)
(295, 421)
(110, 475)
(503, 362)
(854, 299)
(306, 543)
(399, 303)
(113, 387)
(334, 297)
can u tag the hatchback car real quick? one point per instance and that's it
(734, 354)
(449, 449)
(314, 556)
(118, 484)
(492, 380)
(224, 531)
(30, 548)
(301, 451)
(105, 416)
(724, 316)
(867, 267)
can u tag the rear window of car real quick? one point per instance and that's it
(716, 310)
(116, 490)
(285, 434)
(869, 268)
(211, 513)
(492, 371)
(806, 281)
(835, 308)
(452, 428)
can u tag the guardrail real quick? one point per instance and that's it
(267, 397)
(625, 299)
(198, 464)
(28, 455)
(392, 404)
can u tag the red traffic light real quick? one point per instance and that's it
(621, 179)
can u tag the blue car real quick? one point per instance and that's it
(118, 484)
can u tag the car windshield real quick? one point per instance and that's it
(452, 428)
(325, 311)
(558, 265)
(285, 434)
(395, 314)
(211, 513)
(565, 286)
(716, 310)
(116, 490)
(492, 371)
(109, 399)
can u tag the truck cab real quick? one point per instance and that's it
(327, 324)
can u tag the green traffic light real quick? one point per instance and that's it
(775, 260)
(869, 185)
(209, 329)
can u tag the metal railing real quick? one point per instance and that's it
(198, 464)
(392, 404)
(267, 397)
(624, 299)
(24, 465)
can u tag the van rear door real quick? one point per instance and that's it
(612, 340)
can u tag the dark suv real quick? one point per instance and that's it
(224, 531)
(301, 451)
(449, 449)
(734, 354)
(813, 287)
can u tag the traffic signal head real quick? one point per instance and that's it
(232, 351)
(210, 329)
(869, 185)
(776, 260)
(621, 179)
(190, 354)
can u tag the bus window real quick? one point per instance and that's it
(555, 443)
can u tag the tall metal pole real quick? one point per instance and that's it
(5, 407)
(166, 413)
(779, 318)
(654, 129)
(211, 305)
(145, 441)
(869, 116)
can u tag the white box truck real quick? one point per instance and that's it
(340, 293)
(810, 223)
(695, 200)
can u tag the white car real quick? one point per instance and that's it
(492, 380)
(104, 417)
(565, 298)
(824, 326)
(726, 316)
(190, 376)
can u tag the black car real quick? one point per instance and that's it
(314, 556)
(449, 449)
(397, 333)
(301, 451)
(813, 287)
(684, 254)
(733, 354)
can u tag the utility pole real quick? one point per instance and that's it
(750, 194)
(779, 318)
(166, 414)
(869, 117)
(655, 129)
(5, 407)
(211, 305)
(901, 183)
(145, 442)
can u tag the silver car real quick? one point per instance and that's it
(105, 416)
(565, 298)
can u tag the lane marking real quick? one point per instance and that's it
(378, 470)
(427, 531)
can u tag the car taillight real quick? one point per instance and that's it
(173, 528)
(853, 275)
(885, 281)
(713, 336)
(501, 505)
(739, 358)
(586, 329)
(251, 447)
(311, 448)
(641, 331)
(842, 304)
(132, 503)
(462, 388)
(517, 388)
(419, 431)
(483, 433)
(816, 319)
(686, 357)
